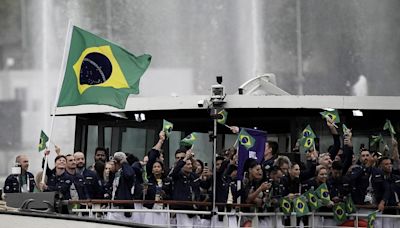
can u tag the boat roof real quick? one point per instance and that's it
(138, 103)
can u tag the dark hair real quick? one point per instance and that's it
(230, 169)
(250, 163)
(180, 150)
(219, 158)
(99, 167)
(59, 157)
(100, 149)
(201, 163)
(130, 158)
(161, 164)
(383, 158)
(337, 165)
(275, 170)
(274, 147)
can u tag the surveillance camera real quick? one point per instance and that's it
(201, 103)
(217, 92)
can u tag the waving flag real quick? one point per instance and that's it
(376, 139)
(307, 139)
(224, 115)
(388, 126)
(100, 72)
(333, 115)
(189, 140)
(246, 139)
(167, 127)
(42, 141)
(251, 145)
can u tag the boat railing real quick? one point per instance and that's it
(230, 210)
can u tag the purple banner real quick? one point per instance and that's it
(256, 151)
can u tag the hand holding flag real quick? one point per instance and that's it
(167, 127)
(332, 117)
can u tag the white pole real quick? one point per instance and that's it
(61, 75)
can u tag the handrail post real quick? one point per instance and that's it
(169, 216)
(293, 219)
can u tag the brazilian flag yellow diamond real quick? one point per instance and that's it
(112, 77)
(100, 72)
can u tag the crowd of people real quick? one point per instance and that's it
(371, 179)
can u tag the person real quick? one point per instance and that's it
(155, 192)
(184, 188)
(283, 163)
(368, 184)
(321, 177)
(91, 181)
(122, 185)
(58, 180)
(23, 182)
(392, 195)
(77, 188)
(270, 154)
(256, 190)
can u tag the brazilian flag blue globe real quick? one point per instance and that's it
(100, 72)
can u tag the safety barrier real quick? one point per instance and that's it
(274, 218)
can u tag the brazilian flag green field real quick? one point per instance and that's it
(100, 72)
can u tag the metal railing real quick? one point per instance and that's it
(275, 217)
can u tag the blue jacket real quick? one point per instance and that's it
(125, 183)
(11, 185)
(185, 187)
(360, 177)
(92, 185)
(63, 182)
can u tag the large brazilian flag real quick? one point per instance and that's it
(100, 72)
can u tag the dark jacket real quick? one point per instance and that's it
(11, 185)
(360, 177)
(63, 182)
(185, 187)
(124, 178)
(92, 184)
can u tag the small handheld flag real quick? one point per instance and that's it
(307, 138)
(371, 219)
(300, 206)
(167, 127)
(43, 140)
(332, 115)
(350, 207)
(189, 140)
(339, 213)
(285, 205)
(376, 139)
(224, 115)
(312, 200)
(388, 126)
(323, 193)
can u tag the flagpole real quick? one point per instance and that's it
(214, 160)
(62, 70)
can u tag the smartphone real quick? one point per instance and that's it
(205, 164)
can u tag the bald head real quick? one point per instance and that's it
(23, 160)
(80, 159)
